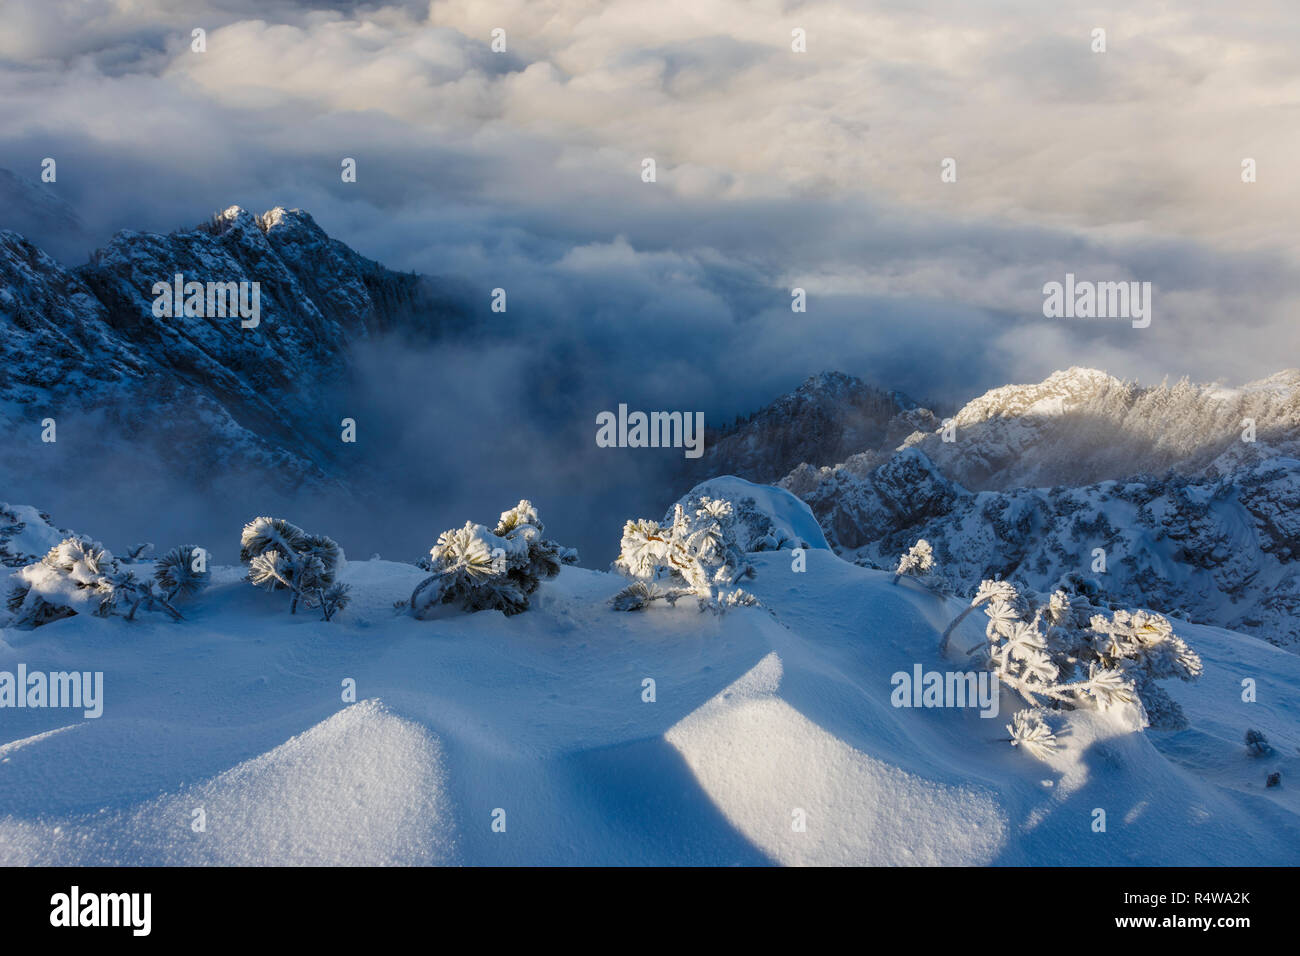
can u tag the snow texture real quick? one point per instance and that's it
(756, 714)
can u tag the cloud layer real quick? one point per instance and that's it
(775, 169)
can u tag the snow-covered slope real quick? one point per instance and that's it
(1223, 551)
(1081, 426)
(198, 395)
(1192, 519)
(829, 417)
(761, 717)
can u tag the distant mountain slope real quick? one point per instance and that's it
(1223, 551)
(35, 210)
(204, 393)
(1082, 426)
(825, 420)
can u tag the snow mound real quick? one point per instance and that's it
(809, 799)
(668, 737)
(363, 788)
(26, 535)
(760, 510)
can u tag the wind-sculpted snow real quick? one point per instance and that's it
(769, 737)
(759, 760)
(362, 788)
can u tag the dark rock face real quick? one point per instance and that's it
(825, 420)
(209, 391)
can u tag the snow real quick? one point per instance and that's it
(35, 538)
(762, 762)
(786, 512)
(758, 713)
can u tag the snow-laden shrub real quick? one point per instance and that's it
(1056, 655)
(696, 555)
(987, 591)
(1029, 731)
(482, 570)
(754, 528)
(182, 571)
(1145, 644)
(282, 556)
(80, 576)
(917, 562)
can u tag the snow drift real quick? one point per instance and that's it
(573, 734)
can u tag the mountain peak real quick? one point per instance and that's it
(89, 338)
(828, 417)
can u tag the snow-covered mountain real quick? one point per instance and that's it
(1224, 551)
(203, 393)
(34, 210)
(1190, 518)
(822, 422)
(1082, 426)
(1077, 427)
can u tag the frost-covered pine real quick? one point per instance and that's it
(148, 595)
(1147, 645)
(481, 570)
(181, 572)
(1108, 686)
(637, 596)
(1029, 731)
(80, 576)
(282, 556)
(1039, 648)
(136, 553)
(918, 561)
(697, 555)
(751, 526)
(333, 599)
(1019, 653)
(987, 591)
(1144, 647)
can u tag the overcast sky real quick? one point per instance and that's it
(775, 169)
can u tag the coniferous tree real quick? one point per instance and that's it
(500, 569)
(697, 554)
(176, 574)
(282, 556)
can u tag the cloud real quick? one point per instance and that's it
(775, 169)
